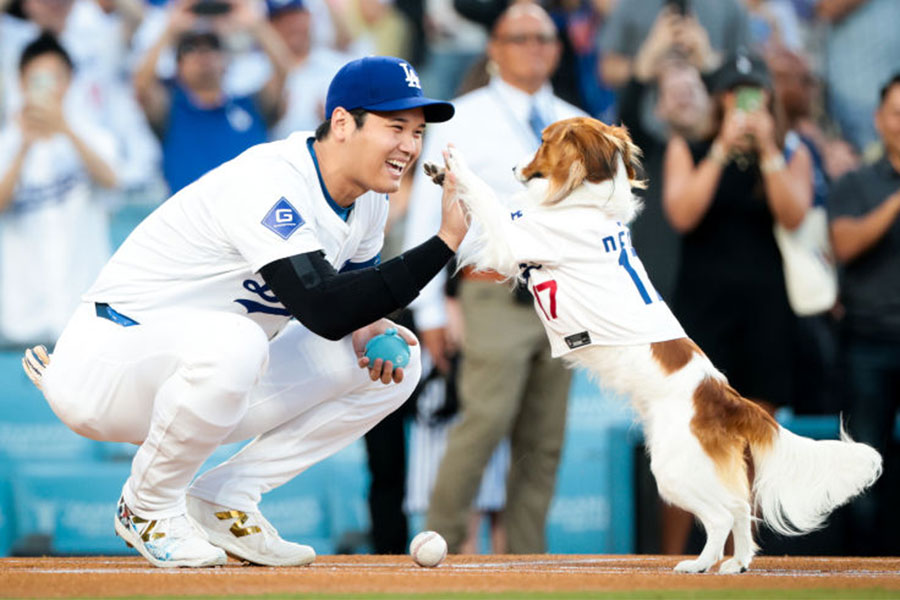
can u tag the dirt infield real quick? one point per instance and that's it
(131, 576)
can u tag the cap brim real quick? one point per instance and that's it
(436, 111)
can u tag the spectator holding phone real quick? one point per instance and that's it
(720, 25)
(96, 35)
(54, 234)
(199, 124)
(665, 95)
(724, 194)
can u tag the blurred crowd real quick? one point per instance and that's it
(769, 128)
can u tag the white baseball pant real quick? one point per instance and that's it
(185, 381)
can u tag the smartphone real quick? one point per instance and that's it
(679, 7)
(749, 99)
(41, 87)
(211, 7)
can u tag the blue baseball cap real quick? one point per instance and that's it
(382, 83)
(276, 7)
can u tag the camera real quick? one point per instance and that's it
(210, 8)
(680, 7)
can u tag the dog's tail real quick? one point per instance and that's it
(799, 481)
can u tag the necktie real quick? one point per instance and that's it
(536, 122)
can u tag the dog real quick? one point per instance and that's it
(568, 239)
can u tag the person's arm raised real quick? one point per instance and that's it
(151, 93)
(853, 236)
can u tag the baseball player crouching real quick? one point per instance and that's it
(186, 341)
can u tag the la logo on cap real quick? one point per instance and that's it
(744, 66)
(412, 80)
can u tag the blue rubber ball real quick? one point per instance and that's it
(388, 346)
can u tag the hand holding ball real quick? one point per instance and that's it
(388, 346)
(428, 549)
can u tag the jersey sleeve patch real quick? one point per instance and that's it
(283, 219)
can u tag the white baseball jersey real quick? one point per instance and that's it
(203, 248)
(589, 285)
(54, 235)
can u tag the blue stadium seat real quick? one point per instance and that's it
(67, 508)
(28, 428)
(7, 511)
(591, 510)
(347, 497)
(125, 218)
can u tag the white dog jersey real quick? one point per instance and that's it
(588, 284)
(204, 247)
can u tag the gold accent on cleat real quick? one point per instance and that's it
(146, 534)
(237, 528)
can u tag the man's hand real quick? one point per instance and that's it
(694, 39)
(659, 41)
(442, 343)
(383, 370)
(761, 126)
(181, 19)
(839, 157)
(43, 120)
(733, 134)
(245, 15)
(29, 133)
(435, 342)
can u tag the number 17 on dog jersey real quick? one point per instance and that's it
(589, 286)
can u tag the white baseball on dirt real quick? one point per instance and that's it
(428, 549)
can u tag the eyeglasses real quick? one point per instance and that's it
(520, 39)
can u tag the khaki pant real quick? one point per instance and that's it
(509, 386)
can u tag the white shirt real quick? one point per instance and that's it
(491, 130)
(588, 284)
(100, 89)
(307, 86)
(54, 235)
(203, 248)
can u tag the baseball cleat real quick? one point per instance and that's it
(35, 362)
(247, 535)
(173, 542)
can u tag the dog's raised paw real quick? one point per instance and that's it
(455, 160)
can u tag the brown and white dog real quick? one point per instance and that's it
(696, 426)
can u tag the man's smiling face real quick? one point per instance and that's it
(384, 147)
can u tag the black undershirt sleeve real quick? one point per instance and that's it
(333, 304)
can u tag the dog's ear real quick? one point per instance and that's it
(598, 150)
(575, 177)
(631, 155)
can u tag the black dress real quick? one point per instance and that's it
(730, 294)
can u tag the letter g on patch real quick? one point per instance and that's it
(283, 219)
